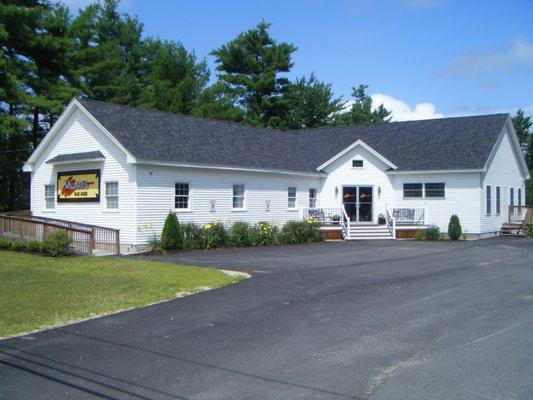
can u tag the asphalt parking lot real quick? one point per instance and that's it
(336, 320)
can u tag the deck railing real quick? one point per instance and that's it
(86, 239)
(328, 216)
(409, 216)
(522, 215)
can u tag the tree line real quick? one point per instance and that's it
(48, 56)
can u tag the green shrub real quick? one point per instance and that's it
(154, 244)
(34, 247)
(171, 236)
(18, 245)
(58, 244)
(216, 235)
(5, 244)
(433, 233)
(193, 236)
(420, 234)
(240, 234)
(454, 228)
(300, 232)
(530, 232)
(264, 234)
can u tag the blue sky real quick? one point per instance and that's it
(422, 58)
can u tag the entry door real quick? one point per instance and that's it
(357, 201)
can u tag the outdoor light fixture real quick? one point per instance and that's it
(212, 202)
(336, 191)
(379, 190)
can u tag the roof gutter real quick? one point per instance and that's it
(434, 171)
(229, 168)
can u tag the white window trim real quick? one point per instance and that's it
(358, 159)
(189, 203)
(309, 197)
(488, 214)
(45, 208)
(433, 197)
(413, 198)
(497, 200)
(112, 210)
(243, 208)
(295, 208)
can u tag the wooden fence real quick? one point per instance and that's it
(86, 239)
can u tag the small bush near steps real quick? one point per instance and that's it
(454, 228)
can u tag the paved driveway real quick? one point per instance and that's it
(348, 320)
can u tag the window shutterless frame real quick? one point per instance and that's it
(49, 197)
(412, 190)
(182, 196)
(111, 195)
(488, 200)
(435, 190)
(498, 205)
(239, 197)
(312, 198)
(291, 198)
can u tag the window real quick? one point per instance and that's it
(181, 196)
(488, 200)
(434, 189)
(412, 190)
(238, 197)
(519, 196)
(497, 200)
(511, 196)
(357, 163)
(312, 198)
(111, 195)
(49, 197)
(291, 197)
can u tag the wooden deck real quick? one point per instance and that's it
(520, 219)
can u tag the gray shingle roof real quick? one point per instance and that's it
(89, 155)
(438, 144)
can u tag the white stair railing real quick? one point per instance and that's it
(391, 222)
(345, 224)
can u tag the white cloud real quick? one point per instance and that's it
(516, 58)
(402, 111)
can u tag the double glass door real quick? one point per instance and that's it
(357, 201)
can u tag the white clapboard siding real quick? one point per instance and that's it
(503, 170)
(79, 134)
(340, 173)
(462, 193)
(156, 196)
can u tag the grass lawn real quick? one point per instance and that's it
(37, 292)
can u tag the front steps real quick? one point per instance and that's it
(511, 229)
(368, 232)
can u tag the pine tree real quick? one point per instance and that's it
(35, 84)
(310, 103)
(107, 50)
(174, 78)
(251, 69)
(361, 110)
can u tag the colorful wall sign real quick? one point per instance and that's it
(78, 186)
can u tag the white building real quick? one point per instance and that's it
(126, 168)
